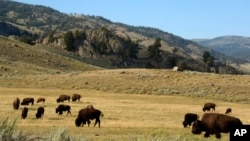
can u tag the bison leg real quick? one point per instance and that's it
(88, 122)
(60, 112)
(207, 134)
(217, 135)
(97, 120)
(68, 112)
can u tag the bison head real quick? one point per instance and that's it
(58, 100)
(204, 109)
(184, 123)
(197, 127)
(79, 122)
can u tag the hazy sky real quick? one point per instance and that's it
(186, 18)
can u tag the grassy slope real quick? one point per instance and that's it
(19, 58)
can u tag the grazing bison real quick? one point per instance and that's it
(16, 103)
(62, 98)
(189, 118)
(61, 108)
(40, 112)
(214, 123)
(208, 107)
(76, 97)
(24, 112)
(26, 101)
(40, 99)
(229, 110)
(87, 114)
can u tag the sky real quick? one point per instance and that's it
(189, 19)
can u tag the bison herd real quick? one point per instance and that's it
(84, 115)
(211, 122)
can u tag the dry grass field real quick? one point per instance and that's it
(138, 104)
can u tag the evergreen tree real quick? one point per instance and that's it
(154, 50)
(208, 59)
(69, 41)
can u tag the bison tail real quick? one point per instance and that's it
(102, 114)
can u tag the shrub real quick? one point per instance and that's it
(8, 133)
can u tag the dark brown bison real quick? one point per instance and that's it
(61, 108)
(16, 103)
(87, 114)
(24, 112)
(76, 97)
(40, 112)
(40, 99)
(208, 107)
(229, 110)
(28, 100)
(62, 98)
(189, 118)
(214, 123)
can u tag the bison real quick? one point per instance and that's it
(214, 123)
(62, 98)
(40, 99)
(40, 112)
(208, 107)
(26, 101)
(61, 108)
(229, 110)
(87, 114)
(16, 103)
(76, 97)
(189, 118)
(24, 112)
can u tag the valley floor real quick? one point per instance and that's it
(137, 103)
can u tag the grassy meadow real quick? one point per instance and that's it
(138, 104)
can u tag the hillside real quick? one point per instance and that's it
(117, 44)
(18, 58)
(235, 46)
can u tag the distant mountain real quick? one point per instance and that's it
(95, 37)
(235, 46)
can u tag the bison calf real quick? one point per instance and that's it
(40, 112)
(214, 123)
(26, 101)
(16, 103)
(61, 108)
(208, 107)
(229, 110)
(189, 118)
(24, 112)
(40, 99)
